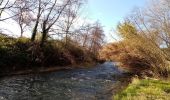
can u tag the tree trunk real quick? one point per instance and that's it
(66, 39)
(34, 31)
(22, 31)
(85, 39)
(44, 37)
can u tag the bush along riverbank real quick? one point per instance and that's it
(21, 55)
(141, 55)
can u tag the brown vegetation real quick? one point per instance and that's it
(137, 52)
(56, 39)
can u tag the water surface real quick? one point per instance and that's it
(78, 84)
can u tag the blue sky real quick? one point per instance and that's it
(110, 12)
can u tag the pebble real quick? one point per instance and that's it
(2, 98)
(81, 80)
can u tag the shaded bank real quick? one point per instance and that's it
(41, 70)
(22, 55)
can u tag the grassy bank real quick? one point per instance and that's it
(145, 89)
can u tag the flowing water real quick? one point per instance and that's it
(77, 84)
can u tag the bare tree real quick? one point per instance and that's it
(51, 15)
(97, 38)
(91, 37)
(86, 34)
(154, 21)
(37, 19)
(22, 9)
(5, 5)
(70, 16)
(48, 13)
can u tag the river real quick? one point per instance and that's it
(78, 84)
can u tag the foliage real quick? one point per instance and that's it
(146, 89)
(22, 54)
(137, 52)
(56, 39)
(144, 45)
(12, 51)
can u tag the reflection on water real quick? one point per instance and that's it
(78, 84)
